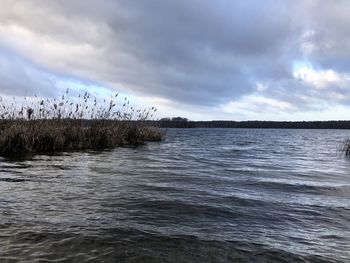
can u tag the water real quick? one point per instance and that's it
(202, 195)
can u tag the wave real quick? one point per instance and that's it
(129, 245)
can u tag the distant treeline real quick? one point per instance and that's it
(184, 123)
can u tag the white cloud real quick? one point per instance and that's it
(321, 79)
(256, 103)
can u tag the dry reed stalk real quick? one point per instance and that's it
(70, 125)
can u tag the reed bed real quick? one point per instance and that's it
(73, 124)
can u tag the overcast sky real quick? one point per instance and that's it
(222, 59)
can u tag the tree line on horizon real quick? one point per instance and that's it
(179, 122)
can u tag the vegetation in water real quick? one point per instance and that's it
(346, 148)
(69, 124)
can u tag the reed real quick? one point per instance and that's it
(72, 124)
(346, 148)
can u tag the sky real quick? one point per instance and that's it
(200, 59)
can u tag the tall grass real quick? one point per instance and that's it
(69, 124)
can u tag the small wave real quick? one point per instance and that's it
(13, 180)
(300, 188)
(118, 245)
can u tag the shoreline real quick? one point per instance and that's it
(343, 125)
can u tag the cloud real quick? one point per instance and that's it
(216, 54)
(20, 78)
(190, 52)
(257, 104)
(328, 25)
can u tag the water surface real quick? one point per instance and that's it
(202, 195)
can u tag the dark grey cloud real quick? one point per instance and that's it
(203, 52)
(193, 52)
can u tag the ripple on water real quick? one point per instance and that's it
(218, 195)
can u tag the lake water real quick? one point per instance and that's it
(202, 195)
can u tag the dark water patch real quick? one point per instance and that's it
(13, 180)
(135, 246)
(3, 171)
(301, 188)
(332, 237)
(59, 167)
(15, 166)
